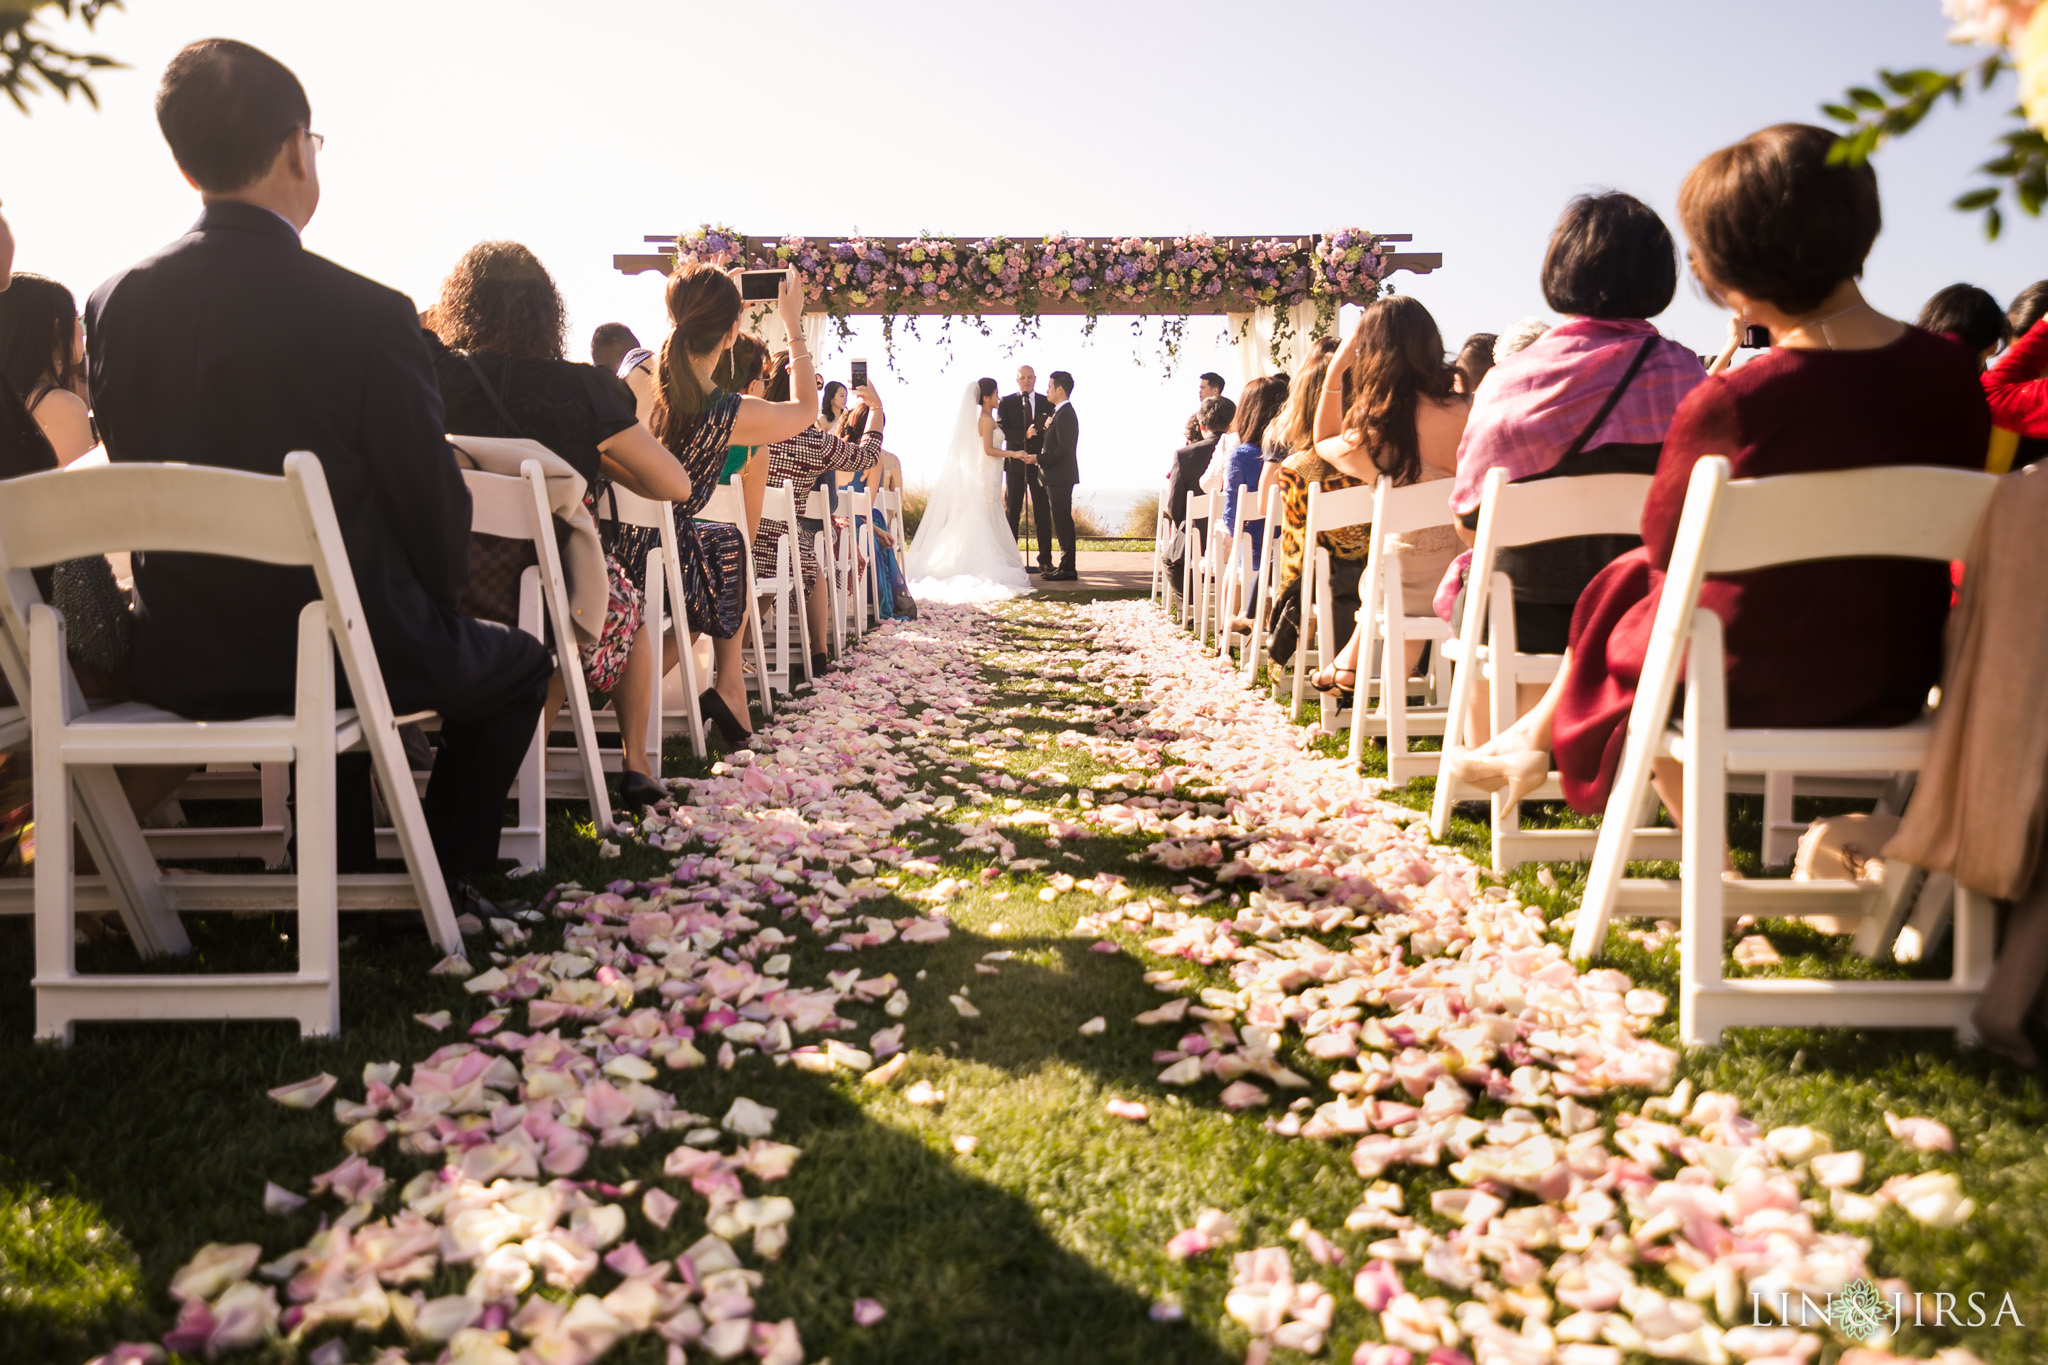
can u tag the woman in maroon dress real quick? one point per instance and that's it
(1779, 236)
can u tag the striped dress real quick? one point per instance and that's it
(800, 460)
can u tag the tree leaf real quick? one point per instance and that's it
(1993, 223)
(1976, 199)
(1866, 97)
(1841, 113)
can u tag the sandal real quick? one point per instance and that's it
(1333, 687)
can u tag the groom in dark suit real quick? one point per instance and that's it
(1022, 416)
(1061, 468)
(235, 346)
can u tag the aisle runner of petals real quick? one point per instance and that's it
(1468, 1000)
(1358, 943)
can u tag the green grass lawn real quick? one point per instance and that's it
(122, 1155)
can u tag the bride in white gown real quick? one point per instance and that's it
(964, 550)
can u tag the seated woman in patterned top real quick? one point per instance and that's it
(800, 459)
(701, 422)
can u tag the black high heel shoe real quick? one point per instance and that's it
(714, 709)
(638, 791)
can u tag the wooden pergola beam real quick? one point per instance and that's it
(662, 262)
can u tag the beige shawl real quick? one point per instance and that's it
(582, 552)
(1981, 805)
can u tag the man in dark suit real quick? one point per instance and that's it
(1209, 386)
(1022, 417)
(1061, 468)
(233, 347)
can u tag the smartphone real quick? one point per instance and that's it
(761, 286)
(860, 374)
(1755, 338)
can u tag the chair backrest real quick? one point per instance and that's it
(725, 504)
(1248, 509)
(1551, 509)
(196, 509)
(1333, 509)
(499, 505)
(63, 514)
(1896, 512)
(818, 506)
(778, 503)
(1413, 507)
(634, 510)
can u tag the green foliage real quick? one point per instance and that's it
(29, 61)
(1871, 119)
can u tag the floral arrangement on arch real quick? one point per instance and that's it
(929, 275)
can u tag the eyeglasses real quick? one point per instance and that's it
(318, 140)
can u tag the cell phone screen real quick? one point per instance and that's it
(760, 286)
(860, 374)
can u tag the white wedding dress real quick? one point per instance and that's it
(964, 550)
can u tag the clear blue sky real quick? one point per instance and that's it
(578, 128)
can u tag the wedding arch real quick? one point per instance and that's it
(1276, 293)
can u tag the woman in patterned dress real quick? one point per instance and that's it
(699, 421)
(800, 459)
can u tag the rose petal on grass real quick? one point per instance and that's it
(1128, 1109)
(304, 1094)
(1920, 1134)
(964, 1006)
(867, 1312)
(278, 1199)
(924, 1094)
(1093, 1027)
(213, 1268)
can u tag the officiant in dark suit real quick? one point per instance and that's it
(235, 346)
(1022, 416)
(1058, 463)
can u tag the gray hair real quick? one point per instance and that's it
(1518, 337)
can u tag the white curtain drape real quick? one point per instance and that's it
(1253, 333)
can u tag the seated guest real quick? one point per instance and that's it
(701, 423)
(1592, 395)
(1347, 546)
(610, 344)
(42, 355)
(1518, 338)
(1210, 385)
(1971, 316)
(2017, 386)
(496, 336)
(1402, 422)
(1779, 234)
(1475, 359)
(235, 346)
(1191, 462)
(801, 459)
(1245, 471)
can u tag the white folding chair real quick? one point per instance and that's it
(1486, 649)
(889, 502)
(1265, 584)
(1383, 620)
(1331, 510)
(666, 617)
(1162, 537)
(858, 540)
(818, 507)
(517, 509)
(1204, 544)
(1733, 527)
(46, 518)
(728, 505)
(1234, 587)
(1195, 526)
(791, 623)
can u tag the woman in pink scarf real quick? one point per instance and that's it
(1593, 395)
